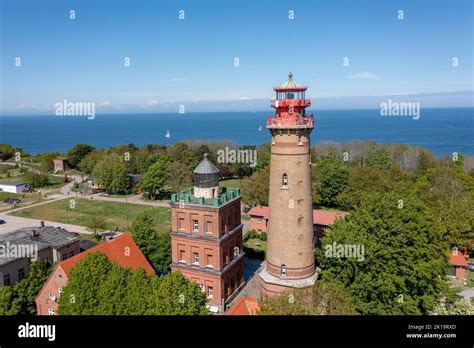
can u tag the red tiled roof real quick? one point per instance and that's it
(260, 210)
(320, 217)
(245, 305)
(457, 258)
(115, 250)
(327, 217)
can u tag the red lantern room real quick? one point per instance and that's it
(290, 105)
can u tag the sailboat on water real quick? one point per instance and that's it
(167, 135)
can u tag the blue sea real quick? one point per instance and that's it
(442, 131)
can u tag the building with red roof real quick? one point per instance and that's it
(321, 220)
(121, 250)
(458, 262)
(244, 305)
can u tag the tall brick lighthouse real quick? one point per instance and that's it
(289, 260)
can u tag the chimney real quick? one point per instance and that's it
(41, 223)
(34, 233)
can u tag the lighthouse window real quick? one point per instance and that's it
(282, 271)
(284, 181)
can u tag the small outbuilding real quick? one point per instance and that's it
(60, 164)
(12, 186)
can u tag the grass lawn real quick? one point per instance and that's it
(470, 278)
(5, 195)
(55, 181)
(121, 195)
(28, 199)
(252, 244)
(88, 237)
(255, 248)
(230, 183)
(114, 214)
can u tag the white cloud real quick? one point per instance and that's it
(244, 98)
(152, 102)
(105, 103)
(364, 75)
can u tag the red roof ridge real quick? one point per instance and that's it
(134, 260)
(245, 305)
(320, 217)
(457, 258)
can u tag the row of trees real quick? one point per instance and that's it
(163, 169)
(344, 180)
(97, 286)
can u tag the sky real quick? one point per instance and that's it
(175, 61)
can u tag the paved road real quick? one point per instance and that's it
(15, 222)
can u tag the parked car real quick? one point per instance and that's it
(2, 222)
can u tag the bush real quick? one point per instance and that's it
(37, 180)
(263, 236)
(251, 234)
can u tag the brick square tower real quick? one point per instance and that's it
(206, 237)
(289, 259)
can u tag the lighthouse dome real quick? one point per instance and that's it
(206, 179)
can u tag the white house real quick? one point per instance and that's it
(12, 186)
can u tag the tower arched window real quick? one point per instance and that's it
(283, 271)
(284, 181)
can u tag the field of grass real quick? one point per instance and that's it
(470, 278)
(55, 181)
(230, 183)
(84, 213)
(10, 173)
(5, 195)
(256, 244)
(26, 199)
(255, 248)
